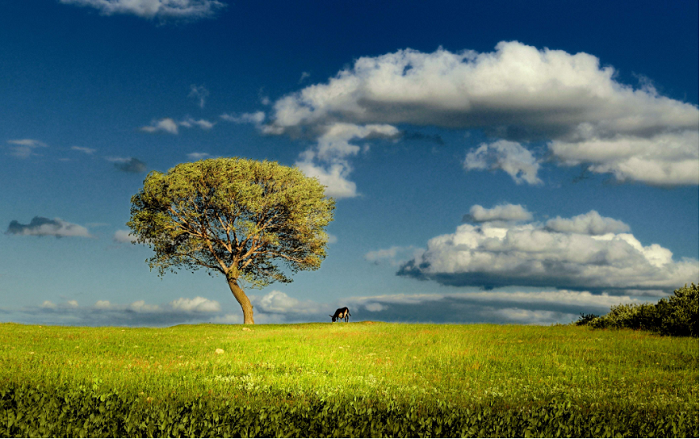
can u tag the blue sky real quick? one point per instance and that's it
(507, 162)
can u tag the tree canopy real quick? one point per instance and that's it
(254, 222)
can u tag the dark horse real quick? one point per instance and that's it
(341, 313)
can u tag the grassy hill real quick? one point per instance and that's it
(356, 379)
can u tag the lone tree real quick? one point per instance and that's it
(245, 219)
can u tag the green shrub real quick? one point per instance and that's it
(676, 315)
(585, 319)
(679, 313)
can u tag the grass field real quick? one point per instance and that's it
(509, 366)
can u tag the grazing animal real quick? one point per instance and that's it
(341, 313)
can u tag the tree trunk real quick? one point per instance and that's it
(243, 301)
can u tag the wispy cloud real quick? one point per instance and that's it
(201, 123)
(83, 149)
(198, 155)
(256, 118)
(150, 9)
(199, 93)
(393, 255)
(24, 148)
(170, 126)
(40, 226)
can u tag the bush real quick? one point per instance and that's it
(676, 315)
(679, 313)
(585, 319)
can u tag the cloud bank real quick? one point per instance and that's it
(517, 93)
(521, 307)
(586, 252)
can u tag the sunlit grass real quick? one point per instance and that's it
(458, 363)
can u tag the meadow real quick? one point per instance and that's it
(346, 379)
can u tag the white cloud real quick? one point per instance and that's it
(198, 155)
(83, 149)
(391, 255)
(590, 223)
(103, 304)
(124, 237)
(256, 118)
(25, 147)
(199, 93)
(198, 304)
(277, 302)
(514, 93)
(162, 9)
(663, 160)
(201, 123)
(32, 143)
(166, 125)
(503, 212)
(333, 177)
(375, 307)
(48, 304)
(563, 254)
(511, 157)
(40, 226)
(327, 160)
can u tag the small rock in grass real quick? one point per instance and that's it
(246, 329)
(219, 351)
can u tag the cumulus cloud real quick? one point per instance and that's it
(665, 159)
(586, 252)
(500, 213)
(511, 157)
(199, 93)
(328, 159)
(123, 237)
(590, 223)
(334, 177)
(24, 148)
(150, 9)
(515, 93)
(40, 226)
(130, 165)
(166, 125)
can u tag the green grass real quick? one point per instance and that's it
(465, 365)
